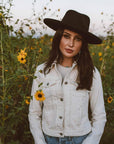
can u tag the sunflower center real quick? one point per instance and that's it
(22, 58)
(110, 99)
(39, 95)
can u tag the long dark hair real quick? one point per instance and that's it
(84, 61)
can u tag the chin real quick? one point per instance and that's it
(69, 57)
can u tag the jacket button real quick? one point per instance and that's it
(66, 82)
(48, 84)
(61, 134)
(60, 117)
(61, 99)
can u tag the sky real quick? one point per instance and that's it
(23, 9)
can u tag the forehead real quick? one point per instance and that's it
(71, 32)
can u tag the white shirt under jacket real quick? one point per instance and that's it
(64, 112)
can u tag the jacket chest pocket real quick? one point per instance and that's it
(78, 96)
(51, 88)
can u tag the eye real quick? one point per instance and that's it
(78, 38)
(66, 36)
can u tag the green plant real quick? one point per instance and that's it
(16, 75)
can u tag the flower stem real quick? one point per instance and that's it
(3, 80)
(102, 68)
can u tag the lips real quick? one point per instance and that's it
(68, 50)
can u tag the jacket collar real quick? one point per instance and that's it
(55, 63)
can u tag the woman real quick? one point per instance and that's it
(65, 85)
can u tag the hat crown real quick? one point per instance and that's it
(76, 20)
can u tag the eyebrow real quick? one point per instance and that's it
(75, 35)
(67, 33)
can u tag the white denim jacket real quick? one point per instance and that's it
(64, 112)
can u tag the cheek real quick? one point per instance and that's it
(78, 47)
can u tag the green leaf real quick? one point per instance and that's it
(34, 77)
(17, 21)
(40, 84)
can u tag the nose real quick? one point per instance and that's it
(71, 42)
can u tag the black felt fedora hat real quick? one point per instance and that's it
(76, 22)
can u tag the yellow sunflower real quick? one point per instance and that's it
(39, 95)
(107, 47)
(21, 59)
(109, 99)
(100, 53)
(51, 39)
(93, 53)
(40, 50)
(1, 14)
(27, 100)
(100, 59)
(23, 53)
(6, 106)
(26, 78)
(32, 48)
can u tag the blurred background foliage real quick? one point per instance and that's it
(20, 53)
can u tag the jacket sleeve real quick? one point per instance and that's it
(35, 114)
(98, 111)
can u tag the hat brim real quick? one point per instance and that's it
(56, 24)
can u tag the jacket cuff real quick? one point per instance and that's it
(93, 138)
(40, 140)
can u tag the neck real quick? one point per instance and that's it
(66, 62)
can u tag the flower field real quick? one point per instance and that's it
(19, 57)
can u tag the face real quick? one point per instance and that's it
(70, 44)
